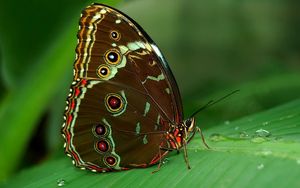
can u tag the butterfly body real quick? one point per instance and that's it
(124, 108)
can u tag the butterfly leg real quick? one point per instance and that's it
(168, 149)
(171, 149)
(202, 137)
(186, 154)
(160, 161)
(161, 156)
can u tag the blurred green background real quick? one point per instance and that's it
(213, 47)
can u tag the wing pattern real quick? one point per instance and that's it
(124, 97)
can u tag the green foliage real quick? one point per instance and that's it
(213, 47)
(241, 155)
(31, 91)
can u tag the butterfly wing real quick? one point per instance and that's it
(124, 97)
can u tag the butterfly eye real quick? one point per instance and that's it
(115, 35)
(112, 57)
(103, 71)
(188, 123)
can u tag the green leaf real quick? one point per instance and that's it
(29, 31)
(241, 155)
(254, 96)
(22, 107)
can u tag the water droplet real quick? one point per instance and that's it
(227, 122)
(298, 161)
(266, 152)
(165, 161)
(265, 123)
(236, 128)
(244, 134)
(260, 166)
(61, 182)
(215, 137)
(262, 133)
(258, 140)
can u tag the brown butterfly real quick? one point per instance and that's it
(124, 109)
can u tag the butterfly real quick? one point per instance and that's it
(124, 109)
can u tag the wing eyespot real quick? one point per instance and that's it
(103, 71)
(102, 146)
(110, 160)
(100, 130)
(114, 103)
(113, 57)
(115, 35)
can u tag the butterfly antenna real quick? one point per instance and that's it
(212, 102)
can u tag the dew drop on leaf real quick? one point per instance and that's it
(258, 140)
(244, 134)
(262, 133)
(215, 137)
(265, 123)
(260, 166)
(227, 122)
(61, 182)
(165, 161)
(266, 152)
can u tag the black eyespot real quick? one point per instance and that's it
(115, 35)
(103, 71)
(112, 56)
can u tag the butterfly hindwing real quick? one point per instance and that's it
(131, 128)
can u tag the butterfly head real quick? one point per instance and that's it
(189, 127)
(189, 124)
